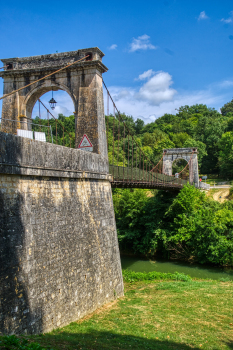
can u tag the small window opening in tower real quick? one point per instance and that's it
(9, 66)
(90, 56)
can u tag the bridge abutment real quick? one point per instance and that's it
(59, 250)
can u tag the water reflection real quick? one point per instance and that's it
(193, 270)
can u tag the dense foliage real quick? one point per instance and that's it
(55, 132)
(187, 226)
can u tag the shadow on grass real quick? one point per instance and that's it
(96, 340)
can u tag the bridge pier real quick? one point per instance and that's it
(59, 256)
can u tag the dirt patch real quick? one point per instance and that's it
(220, 194)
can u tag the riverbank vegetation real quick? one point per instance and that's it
(188, 225)
(153, 315)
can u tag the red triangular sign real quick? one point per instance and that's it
(85, 144)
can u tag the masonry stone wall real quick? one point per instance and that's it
(59, 256)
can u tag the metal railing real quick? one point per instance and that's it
(141, 178)
(14, 126)
(54, 131)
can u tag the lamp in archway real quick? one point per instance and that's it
(52, 102)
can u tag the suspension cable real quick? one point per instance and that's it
(115, 107)
(46, 76)
(186, 164)
(158, 162)
(48, 111)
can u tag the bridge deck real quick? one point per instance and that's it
(129, 177)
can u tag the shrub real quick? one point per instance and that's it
(12, 342)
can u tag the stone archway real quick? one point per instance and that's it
(82, 81)
(37, 92)
(188, 154)
(178, 165)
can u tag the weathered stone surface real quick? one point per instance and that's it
(172, 154)
(59, 256)
(19, 155)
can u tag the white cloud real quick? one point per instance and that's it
(113, 47)
(202, 16)
(129, 101)
(157, 89)
(145, 75)
(226, 84)
(141, 43)
(228, 20)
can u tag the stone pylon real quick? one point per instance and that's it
(82, 81)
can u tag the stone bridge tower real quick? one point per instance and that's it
(59, 254)
(188, 154)
(82, 81)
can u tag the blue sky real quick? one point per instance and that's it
(160, 54)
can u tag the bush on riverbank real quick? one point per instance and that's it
(189, 226)
(131, 276)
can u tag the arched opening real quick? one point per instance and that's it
(55, 126)
(64, 105)
(45, 94)
(180, 169)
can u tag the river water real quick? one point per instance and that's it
(193, 270)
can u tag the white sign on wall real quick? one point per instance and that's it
(85, 144)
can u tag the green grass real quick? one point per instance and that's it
(164, 315)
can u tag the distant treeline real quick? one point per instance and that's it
(195, 126)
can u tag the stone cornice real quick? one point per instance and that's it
(46, 70)
(54, 56)
(180, 150)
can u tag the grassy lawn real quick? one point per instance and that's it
(155, 315)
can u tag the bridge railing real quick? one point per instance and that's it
(135, 175)
(50, 130)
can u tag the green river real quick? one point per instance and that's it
(193, 270)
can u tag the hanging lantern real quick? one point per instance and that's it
(52, 102)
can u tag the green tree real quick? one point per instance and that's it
(226, 154)
(227, 108)
(199, 229)
(201, 147)
(179, 139)
(139, 124)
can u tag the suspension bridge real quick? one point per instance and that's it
(59, 253)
